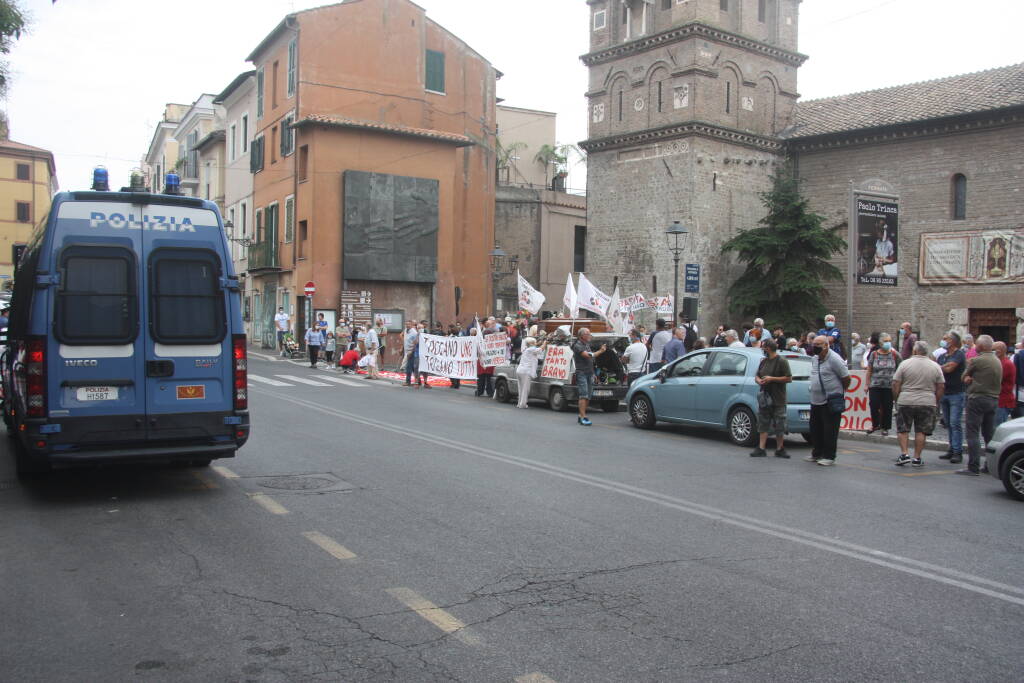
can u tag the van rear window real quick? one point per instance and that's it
(97, 303)
(188, 304)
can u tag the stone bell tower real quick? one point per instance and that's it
(686, 98)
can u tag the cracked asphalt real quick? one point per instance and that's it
(378, 533)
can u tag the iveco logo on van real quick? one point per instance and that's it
(119, 221)
(81, 363)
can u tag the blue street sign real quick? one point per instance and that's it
(692, 278)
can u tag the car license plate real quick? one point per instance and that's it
(805, 415)
(602, 392)
(97, 393)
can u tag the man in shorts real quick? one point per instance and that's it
(584, 357)
(772, 376)
(283, 323)
(917, 385)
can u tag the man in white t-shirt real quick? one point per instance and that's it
(372, 343)
(658, 340)
(283, 322)
(732, 339)
(634, 356)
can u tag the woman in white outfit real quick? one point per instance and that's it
(527, 369)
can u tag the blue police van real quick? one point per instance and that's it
(125, 339)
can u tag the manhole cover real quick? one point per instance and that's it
(298, 483)
(311, 483)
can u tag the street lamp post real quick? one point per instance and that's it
(673, 233)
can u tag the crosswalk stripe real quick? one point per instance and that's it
(303, 380)
(267, 380)
(339, 380)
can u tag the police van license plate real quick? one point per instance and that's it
(97, 393)
(602, 392)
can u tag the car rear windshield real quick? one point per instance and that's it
(188, 303)
(800, 366)
(96, 303)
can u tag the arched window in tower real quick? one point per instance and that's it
(620, 106)
(959, 197)
(728, 97)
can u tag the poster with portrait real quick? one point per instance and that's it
(877, 241)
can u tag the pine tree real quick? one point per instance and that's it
(787, 259)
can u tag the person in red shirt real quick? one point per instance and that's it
(1007, 391)
(350, 360)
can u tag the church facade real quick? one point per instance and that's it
(693, 106)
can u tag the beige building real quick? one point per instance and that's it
(195, 125)
(162, 154)
(521, 135)
(543, 231)
(28, 180)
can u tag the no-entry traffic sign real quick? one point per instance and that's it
(310, 288)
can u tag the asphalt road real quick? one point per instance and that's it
(374, 532)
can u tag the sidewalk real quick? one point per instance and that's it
(938, 441)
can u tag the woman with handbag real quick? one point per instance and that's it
(829, 380)
(881, 366)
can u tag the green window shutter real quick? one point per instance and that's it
(435, 71)
(289, 219)
(291, 67)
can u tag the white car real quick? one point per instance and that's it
(1006, 456)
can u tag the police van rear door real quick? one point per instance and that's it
(94, 272)
(188, 372)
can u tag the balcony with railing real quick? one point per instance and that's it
(263, 256)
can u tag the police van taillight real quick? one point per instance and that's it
(35, 377)
(241, 364)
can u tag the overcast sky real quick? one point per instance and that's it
(91, 77)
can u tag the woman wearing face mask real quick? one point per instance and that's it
(881, 366)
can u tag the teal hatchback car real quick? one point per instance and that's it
(716, 388)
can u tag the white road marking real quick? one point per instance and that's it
(925, 570)
(432, 613)
(535, 677)
(224, 471)
(330, 545)
(340, 380)
(303, 380)
(267, 380)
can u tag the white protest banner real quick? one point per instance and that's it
(453, 357)
(529, 298)
(570, 299)
(634, 303)
(662, 304)
(494, 350)
(616, 315)
(857, 417)
(592, 298)
(557, 363)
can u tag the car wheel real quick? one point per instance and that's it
(1013, 474)
(557, 401)
(641, 412)
(742, 427)
(610, 406)
(501, 392)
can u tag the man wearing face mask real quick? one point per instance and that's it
(952, 403)
(833, 335)
(829, 377)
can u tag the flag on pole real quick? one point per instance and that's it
(569, 299)
(592, 298)
(617, 313)
(529, 298)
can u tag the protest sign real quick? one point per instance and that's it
(453, 357)
(557, 363)
(857, 417)
(634, 303)
(494, 350)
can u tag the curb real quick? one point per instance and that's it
(929, 445)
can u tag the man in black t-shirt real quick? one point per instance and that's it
(952, 404)
(772, 376)
(583, 358)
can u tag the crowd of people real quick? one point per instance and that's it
(968, 385)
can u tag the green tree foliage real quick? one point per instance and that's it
(12, 24)
(787, 259)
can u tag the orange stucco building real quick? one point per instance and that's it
(371, 86)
